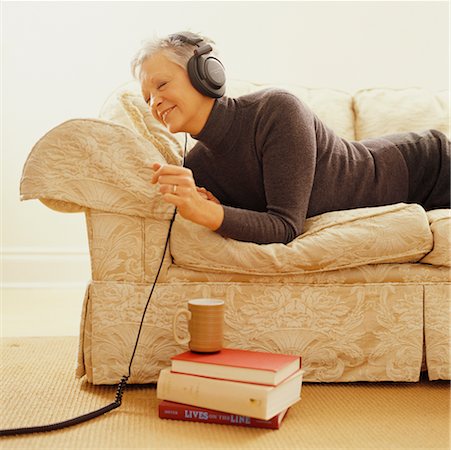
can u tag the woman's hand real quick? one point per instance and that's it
(178, 188)
(207, 195)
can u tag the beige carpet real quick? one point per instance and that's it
(38, 387)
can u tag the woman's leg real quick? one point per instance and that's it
(440, 195)
(427, 155)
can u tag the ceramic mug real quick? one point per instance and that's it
(205, 325)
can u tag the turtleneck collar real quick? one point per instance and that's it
(218, 123)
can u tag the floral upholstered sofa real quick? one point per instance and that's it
(362, 295)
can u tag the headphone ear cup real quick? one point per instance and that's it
(207, 75)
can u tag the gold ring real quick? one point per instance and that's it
(174, 188)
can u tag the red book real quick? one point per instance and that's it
(238, 365)
(179, 411)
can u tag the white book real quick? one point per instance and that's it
(245, 399)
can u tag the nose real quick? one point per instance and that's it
(155, 100)
(152, 100)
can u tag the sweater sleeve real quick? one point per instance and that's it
(285, 141)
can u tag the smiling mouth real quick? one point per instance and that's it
(165, 114)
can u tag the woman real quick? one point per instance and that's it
(264, 162)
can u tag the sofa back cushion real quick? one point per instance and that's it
(366, 114)
(127, 107)
(385, 111)
(335, 240)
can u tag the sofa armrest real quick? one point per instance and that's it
(440, 223)
(94, 164)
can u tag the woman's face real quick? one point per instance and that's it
(173, 100)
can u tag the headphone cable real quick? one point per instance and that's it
(123, 383)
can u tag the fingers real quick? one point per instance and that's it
(202, 192)
(175, 190)
(175, 182)
(178, 180)
(169, 175)
(207, 195)
(155, 167)
(169, 170)
(179, 196)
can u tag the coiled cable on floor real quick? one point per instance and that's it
(71, 422)
(123, 383)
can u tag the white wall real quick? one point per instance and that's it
(61, 60)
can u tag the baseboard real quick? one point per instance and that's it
(41, 268)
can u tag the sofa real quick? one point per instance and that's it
(362, 295)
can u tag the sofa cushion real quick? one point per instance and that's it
(335, 240)
(440, 223)
(385, 111)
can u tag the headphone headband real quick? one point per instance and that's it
(206, 73)
(194, 40)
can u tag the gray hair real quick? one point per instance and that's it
(175, 49)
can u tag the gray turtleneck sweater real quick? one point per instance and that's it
(271, 163)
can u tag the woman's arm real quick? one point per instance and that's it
(178, 188)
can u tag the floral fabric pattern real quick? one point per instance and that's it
(440, 223)
(348, 294)
(331, 241)
(437, 317)
(344, 333)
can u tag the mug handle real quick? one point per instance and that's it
(181, 312)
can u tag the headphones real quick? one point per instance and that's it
(206, 73)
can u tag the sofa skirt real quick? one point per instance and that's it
(367, 332)
(437, 320)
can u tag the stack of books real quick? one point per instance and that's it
(232, 386)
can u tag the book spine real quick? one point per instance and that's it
(194, 414)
